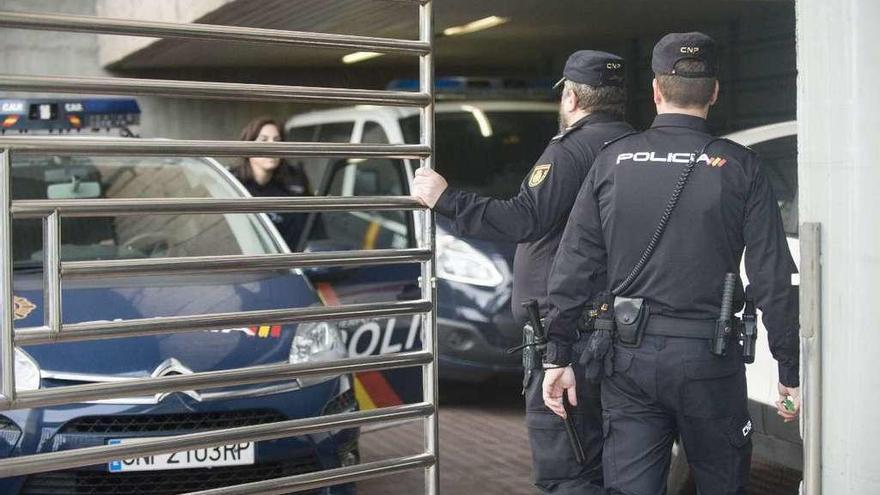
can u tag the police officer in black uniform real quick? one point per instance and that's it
(591, 113)
(665, 382)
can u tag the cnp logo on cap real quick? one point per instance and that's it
(593, 68)
(675, 47)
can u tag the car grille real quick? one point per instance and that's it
(169, 482)
(169, 423)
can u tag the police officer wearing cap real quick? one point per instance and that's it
(666, 379)
(591, 113)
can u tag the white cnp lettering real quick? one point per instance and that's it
(613, 65)
(747, 428)
(73, 107)
(12, 106)
(690, 49)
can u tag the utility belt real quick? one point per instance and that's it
(627, 320)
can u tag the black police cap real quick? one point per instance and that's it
(675, 47)
(593, 68)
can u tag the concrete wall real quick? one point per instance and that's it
(839, 160)
(113, 48)
(56, 53)
(46, 52)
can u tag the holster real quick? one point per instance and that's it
(532, 354)
(630, 317)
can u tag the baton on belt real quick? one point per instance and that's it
(532, 309)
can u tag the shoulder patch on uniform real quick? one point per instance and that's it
(618, 138)
(539, 173)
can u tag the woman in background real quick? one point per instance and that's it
(273, 177)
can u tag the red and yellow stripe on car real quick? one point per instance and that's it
(371, 389)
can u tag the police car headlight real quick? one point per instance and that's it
(27, 372)
(458, 261)
(314, 342)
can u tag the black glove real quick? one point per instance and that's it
(597, 359)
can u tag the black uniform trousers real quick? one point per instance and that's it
(555, 469)
(670, 387)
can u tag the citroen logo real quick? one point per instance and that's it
(171, 367)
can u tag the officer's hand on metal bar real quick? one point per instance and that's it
(558, 381)
(427, 186)
(789, 404)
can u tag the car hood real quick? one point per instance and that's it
(133, 298)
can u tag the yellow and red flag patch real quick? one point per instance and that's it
(717, 161)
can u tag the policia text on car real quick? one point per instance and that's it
(656, 277)
(591, 113)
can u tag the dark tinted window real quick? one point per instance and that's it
(779, 162)
(303, 134)
(335, 133)
(487, 152)
(315, 168)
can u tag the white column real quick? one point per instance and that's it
(839, 174)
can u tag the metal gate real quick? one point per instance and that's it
(51, 212)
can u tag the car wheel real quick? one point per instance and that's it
(680, 481)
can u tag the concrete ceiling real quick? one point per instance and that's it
(535, 41)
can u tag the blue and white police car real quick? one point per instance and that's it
(24, 432)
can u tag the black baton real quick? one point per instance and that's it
(724, 325)
(533, 310)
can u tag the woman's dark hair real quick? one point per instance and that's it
(285, 172)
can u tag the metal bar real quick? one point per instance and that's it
(239, 263)
(175, 324)
(429, 280)
(212, 379)
(7, 350)
(52, 272)
(179, 147)
(311, 481)
(66, 459)
(811, 345)
(213, 32)
(209, 90)
(192, 206)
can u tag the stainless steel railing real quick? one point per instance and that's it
(56, 271)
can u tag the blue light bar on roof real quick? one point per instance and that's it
(50, 115)
(491, 87)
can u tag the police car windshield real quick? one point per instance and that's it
(487, 152)
(138, 236)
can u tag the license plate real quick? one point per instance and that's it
(239, 454)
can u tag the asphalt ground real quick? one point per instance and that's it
(484, 448)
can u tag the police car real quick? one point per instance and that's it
(488, 133)
(773, 440)
(25, 432)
